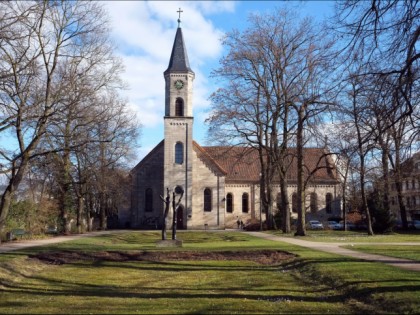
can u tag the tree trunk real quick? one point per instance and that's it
(284, 204)
(365, 207)
(398, 185)
(102, 212)
(7, 197)
(301, 231)
(80, 207)
(385, 171)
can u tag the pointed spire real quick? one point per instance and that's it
(179, 58)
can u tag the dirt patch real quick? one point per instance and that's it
(264, 257)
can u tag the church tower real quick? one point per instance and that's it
(178, 124)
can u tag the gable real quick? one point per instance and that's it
(208, 160)
(153, 157)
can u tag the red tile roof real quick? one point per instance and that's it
(242, 163)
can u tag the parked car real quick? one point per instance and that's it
(333, 225)
(416, 224)
(315, 225)
(51, 229)
(410, 225)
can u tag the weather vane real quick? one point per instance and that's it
(179, 18)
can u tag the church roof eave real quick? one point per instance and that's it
(213, 163)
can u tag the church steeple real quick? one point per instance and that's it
(179, 79)
(178, 121)
(179, 58)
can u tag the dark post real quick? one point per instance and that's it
(165, 214)
(174, 218)
(178, 191)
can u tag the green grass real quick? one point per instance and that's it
(354, 236)
(399, 251)
(314, 282)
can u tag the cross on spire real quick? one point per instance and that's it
(179, 18)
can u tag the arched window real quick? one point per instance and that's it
(294, 203)
(314, 202)
(229, 203)
(148, 200)
(179, 153)
(207, 199)
(179, 107)
(328, 203)
(245, 202)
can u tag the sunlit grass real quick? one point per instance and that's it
(353, 236)
(399, 251)
(314, 282)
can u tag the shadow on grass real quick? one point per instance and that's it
(275, 291)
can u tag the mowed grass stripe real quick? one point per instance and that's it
(314, 282)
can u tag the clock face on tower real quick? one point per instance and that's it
(179, 84)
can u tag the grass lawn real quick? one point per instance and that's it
(313, 282)
(354, 236)
(399, 251)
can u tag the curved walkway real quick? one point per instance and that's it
(335, 248)
(16, 245)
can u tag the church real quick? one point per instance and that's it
(220, 184)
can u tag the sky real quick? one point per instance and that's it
(144, 32)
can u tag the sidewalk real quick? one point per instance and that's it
(335, 248)
(16, 245)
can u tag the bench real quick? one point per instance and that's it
(17, 232)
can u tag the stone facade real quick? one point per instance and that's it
(147, 176)
(410, 189)
(207, 178)
(220, 184)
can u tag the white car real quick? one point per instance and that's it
(333, 225)
(315, 225)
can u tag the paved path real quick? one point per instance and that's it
(335, 248)
(16, 245)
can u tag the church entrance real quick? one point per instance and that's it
(180, 218)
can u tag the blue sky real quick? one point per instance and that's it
(144, 32)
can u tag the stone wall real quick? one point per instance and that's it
(204, 178)
(148, 174)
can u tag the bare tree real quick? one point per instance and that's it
(39, 51)
(354, 115)
(274, 67)
(380, 38)
(386, 33)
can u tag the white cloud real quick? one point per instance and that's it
(144, 32)
(215, 6)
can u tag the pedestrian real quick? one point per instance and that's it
(238, 223)
(242, 225)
